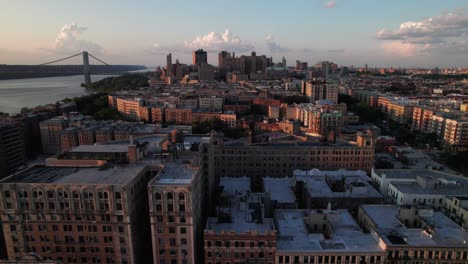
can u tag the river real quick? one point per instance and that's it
(19, 93)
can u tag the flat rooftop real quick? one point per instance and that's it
(441, 231)
(232, 185)
(175, 173)
(413, 173)
(294, 236)
(119, 175)
(279, 189)
(352, 184)
(100, 148)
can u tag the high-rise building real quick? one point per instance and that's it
(318, 89)
(169, 65)
(205, 71)
(283, 61)
(12, 148)
(253, 60)
(199, 56)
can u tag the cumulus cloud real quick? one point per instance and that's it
(273, 46)
(402, 49)
(446, 32)
(330, 4)
(69, 41)
(216, 42)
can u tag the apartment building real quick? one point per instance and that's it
(181, 116)
(51, 130)
(12, 147)
(130, 107)
(421, 119)
(240, 231)
(419, 187)
(336, 189)
(318, 89)
(456, 134)
(278, 158)
(77, 214)
(175, 198)
(412, 234)
(323, 236)
(210, 103)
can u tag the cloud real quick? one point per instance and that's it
(401, 49)
(330, 4)
(69, 41)
(273, 46)
(217, 42)
(446, 32)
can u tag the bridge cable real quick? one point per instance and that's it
(98, 59)
(60, 59)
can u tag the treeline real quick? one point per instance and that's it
(123, 82)
(97, 106)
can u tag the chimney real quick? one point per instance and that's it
(132, 154)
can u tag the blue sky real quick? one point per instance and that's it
(348, 32)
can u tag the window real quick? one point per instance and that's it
(183, 230)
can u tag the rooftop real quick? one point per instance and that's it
(295, 236)
(175, 173)
(336, 184)
(436, 229)
(239, 210)
(100, 148)
(120, 175)
(279, 189)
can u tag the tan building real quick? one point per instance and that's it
(69, 138)
(212, 103)
(76, 214)
(87, 136)
(421, 119)
(175, 198)
(456, 133)
(181, 116)
(51, 131)
(130, 107)
(278, 158)
(228, 118)
(320, 90)
(157, 114)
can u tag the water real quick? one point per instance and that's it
(16, 94)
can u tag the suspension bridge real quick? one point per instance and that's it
(52, 69)
(86, 68)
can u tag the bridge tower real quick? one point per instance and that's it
(86, 69)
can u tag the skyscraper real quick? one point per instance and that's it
(169, 65)
(199, 56)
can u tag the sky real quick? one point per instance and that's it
(397, 33)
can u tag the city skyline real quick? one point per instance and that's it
(349, 33)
